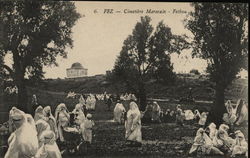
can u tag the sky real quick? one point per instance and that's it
(98, 37)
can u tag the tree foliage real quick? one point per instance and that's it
(35, 33)
(220, 37)
(146, 54)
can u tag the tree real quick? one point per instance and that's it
(220, 37)
(35, 33)
(145, 55)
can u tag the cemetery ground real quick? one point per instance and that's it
(159, 140)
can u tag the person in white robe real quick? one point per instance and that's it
(222, 140)
(82, 100)
(86, 129)
(93, 102)
(41, 126)
(189, 115)
(133, 124)
(23, 142)
(88, 102)
(49, 148)
(62, 118)
(133, 97)
(50, 120)
(79, 114)
(212, 130)
(180, 116)
(241, 122)
(118, 112)
(230, 116)
(203, 119)
(156, 109)
(197, 115)
(204, 144)
(31, 121)
(241, 145)
(39, 113)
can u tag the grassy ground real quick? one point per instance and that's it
(159, 140)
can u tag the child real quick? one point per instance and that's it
(87, 129)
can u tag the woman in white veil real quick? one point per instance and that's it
(50, 119)
(133, 125)
(62, 118)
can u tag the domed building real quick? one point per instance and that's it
(76, 70)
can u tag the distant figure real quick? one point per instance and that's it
(34, 103)
(147, 114)
(109, 102)
(203, 119)
(190, 95)
(180, 116)
(156, 112)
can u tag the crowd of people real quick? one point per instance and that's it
(230, 138)
(47, 135)
(40, 135)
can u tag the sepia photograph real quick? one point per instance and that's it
(120, 79)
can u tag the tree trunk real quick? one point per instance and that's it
(218, 108)
(19, 73)
(142, 97)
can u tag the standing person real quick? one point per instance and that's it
(109, 102)
(133, 125)
(62, 117)
(39, 113)
(86, 129)
(34, 103)
(156, 112)
(241, 122)
(147, 114)
(118, 112)
(82, 100)
(50, 120)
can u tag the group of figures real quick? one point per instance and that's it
(46, 136)
(229, 138)
(155, 114)
(219, 141)
(131, 120)
(11, 90)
